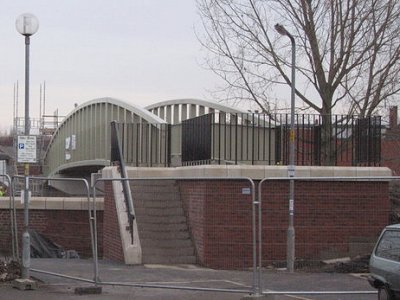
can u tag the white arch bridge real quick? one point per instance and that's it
(150, 136)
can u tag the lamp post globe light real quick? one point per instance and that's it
(290, 254)
(27, 25)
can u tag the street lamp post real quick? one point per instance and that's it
(27, 25)
(290, 251)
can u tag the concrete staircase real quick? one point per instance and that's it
(163, 230)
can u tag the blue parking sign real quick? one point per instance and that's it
(26, 149)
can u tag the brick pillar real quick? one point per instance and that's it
(393, 117)
(112, 245)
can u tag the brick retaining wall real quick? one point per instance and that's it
(332, 219)
(68, 227)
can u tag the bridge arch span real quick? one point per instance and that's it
(81, 143)
(178, 110)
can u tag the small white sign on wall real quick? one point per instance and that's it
(23, 196)
(73, 142)
(246, 191)
(67, 143)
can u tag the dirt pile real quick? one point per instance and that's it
(9, 270)
(359, 264)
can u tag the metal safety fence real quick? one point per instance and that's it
(172, 215)
(62, 226)
(9, 237)
(336, 220)
(227, 219)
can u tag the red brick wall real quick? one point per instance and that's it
(219, 217)
(390, 150)
(68, 228)
(112, 238)
(329, 216)
(194, 207)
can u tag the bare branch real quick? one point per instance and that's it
(347, 51)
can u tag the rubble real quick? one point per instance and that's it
(9, 270)
(358, 264)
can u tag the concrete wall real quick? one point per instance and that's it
(256, 172)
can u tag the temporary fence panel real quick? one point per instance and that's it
(65, 224)
(210, 221)
(334, 218)
(8, 228)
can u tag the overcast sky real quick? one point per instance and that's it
(140, 51)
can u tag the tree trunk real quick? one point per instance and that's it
(328, 155)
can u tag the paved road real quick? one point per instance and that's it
(51, 287)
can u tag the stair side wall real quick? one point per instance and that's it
(118, 242)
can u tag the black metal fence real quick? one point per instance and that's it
(197, 139)
(264, 139)
(222, 138)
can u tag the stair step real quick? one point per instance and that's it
(191, 259)
(162, 227)
(165, 244)
(159, 203)
(168, 252)
(162, 224)
(154, 195)
(161, 220)
(158, 211)
(164, 235)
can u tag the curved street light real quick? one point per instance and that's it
(290, 254)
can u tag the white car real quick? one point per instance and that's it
(384, 264)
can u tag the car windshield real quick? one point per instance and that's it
(389, 245)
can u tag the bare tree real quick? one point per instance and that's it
(348, 52)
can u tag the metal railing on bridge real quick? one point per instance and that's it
(223, 138)
(257, 139)
(145, 144)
